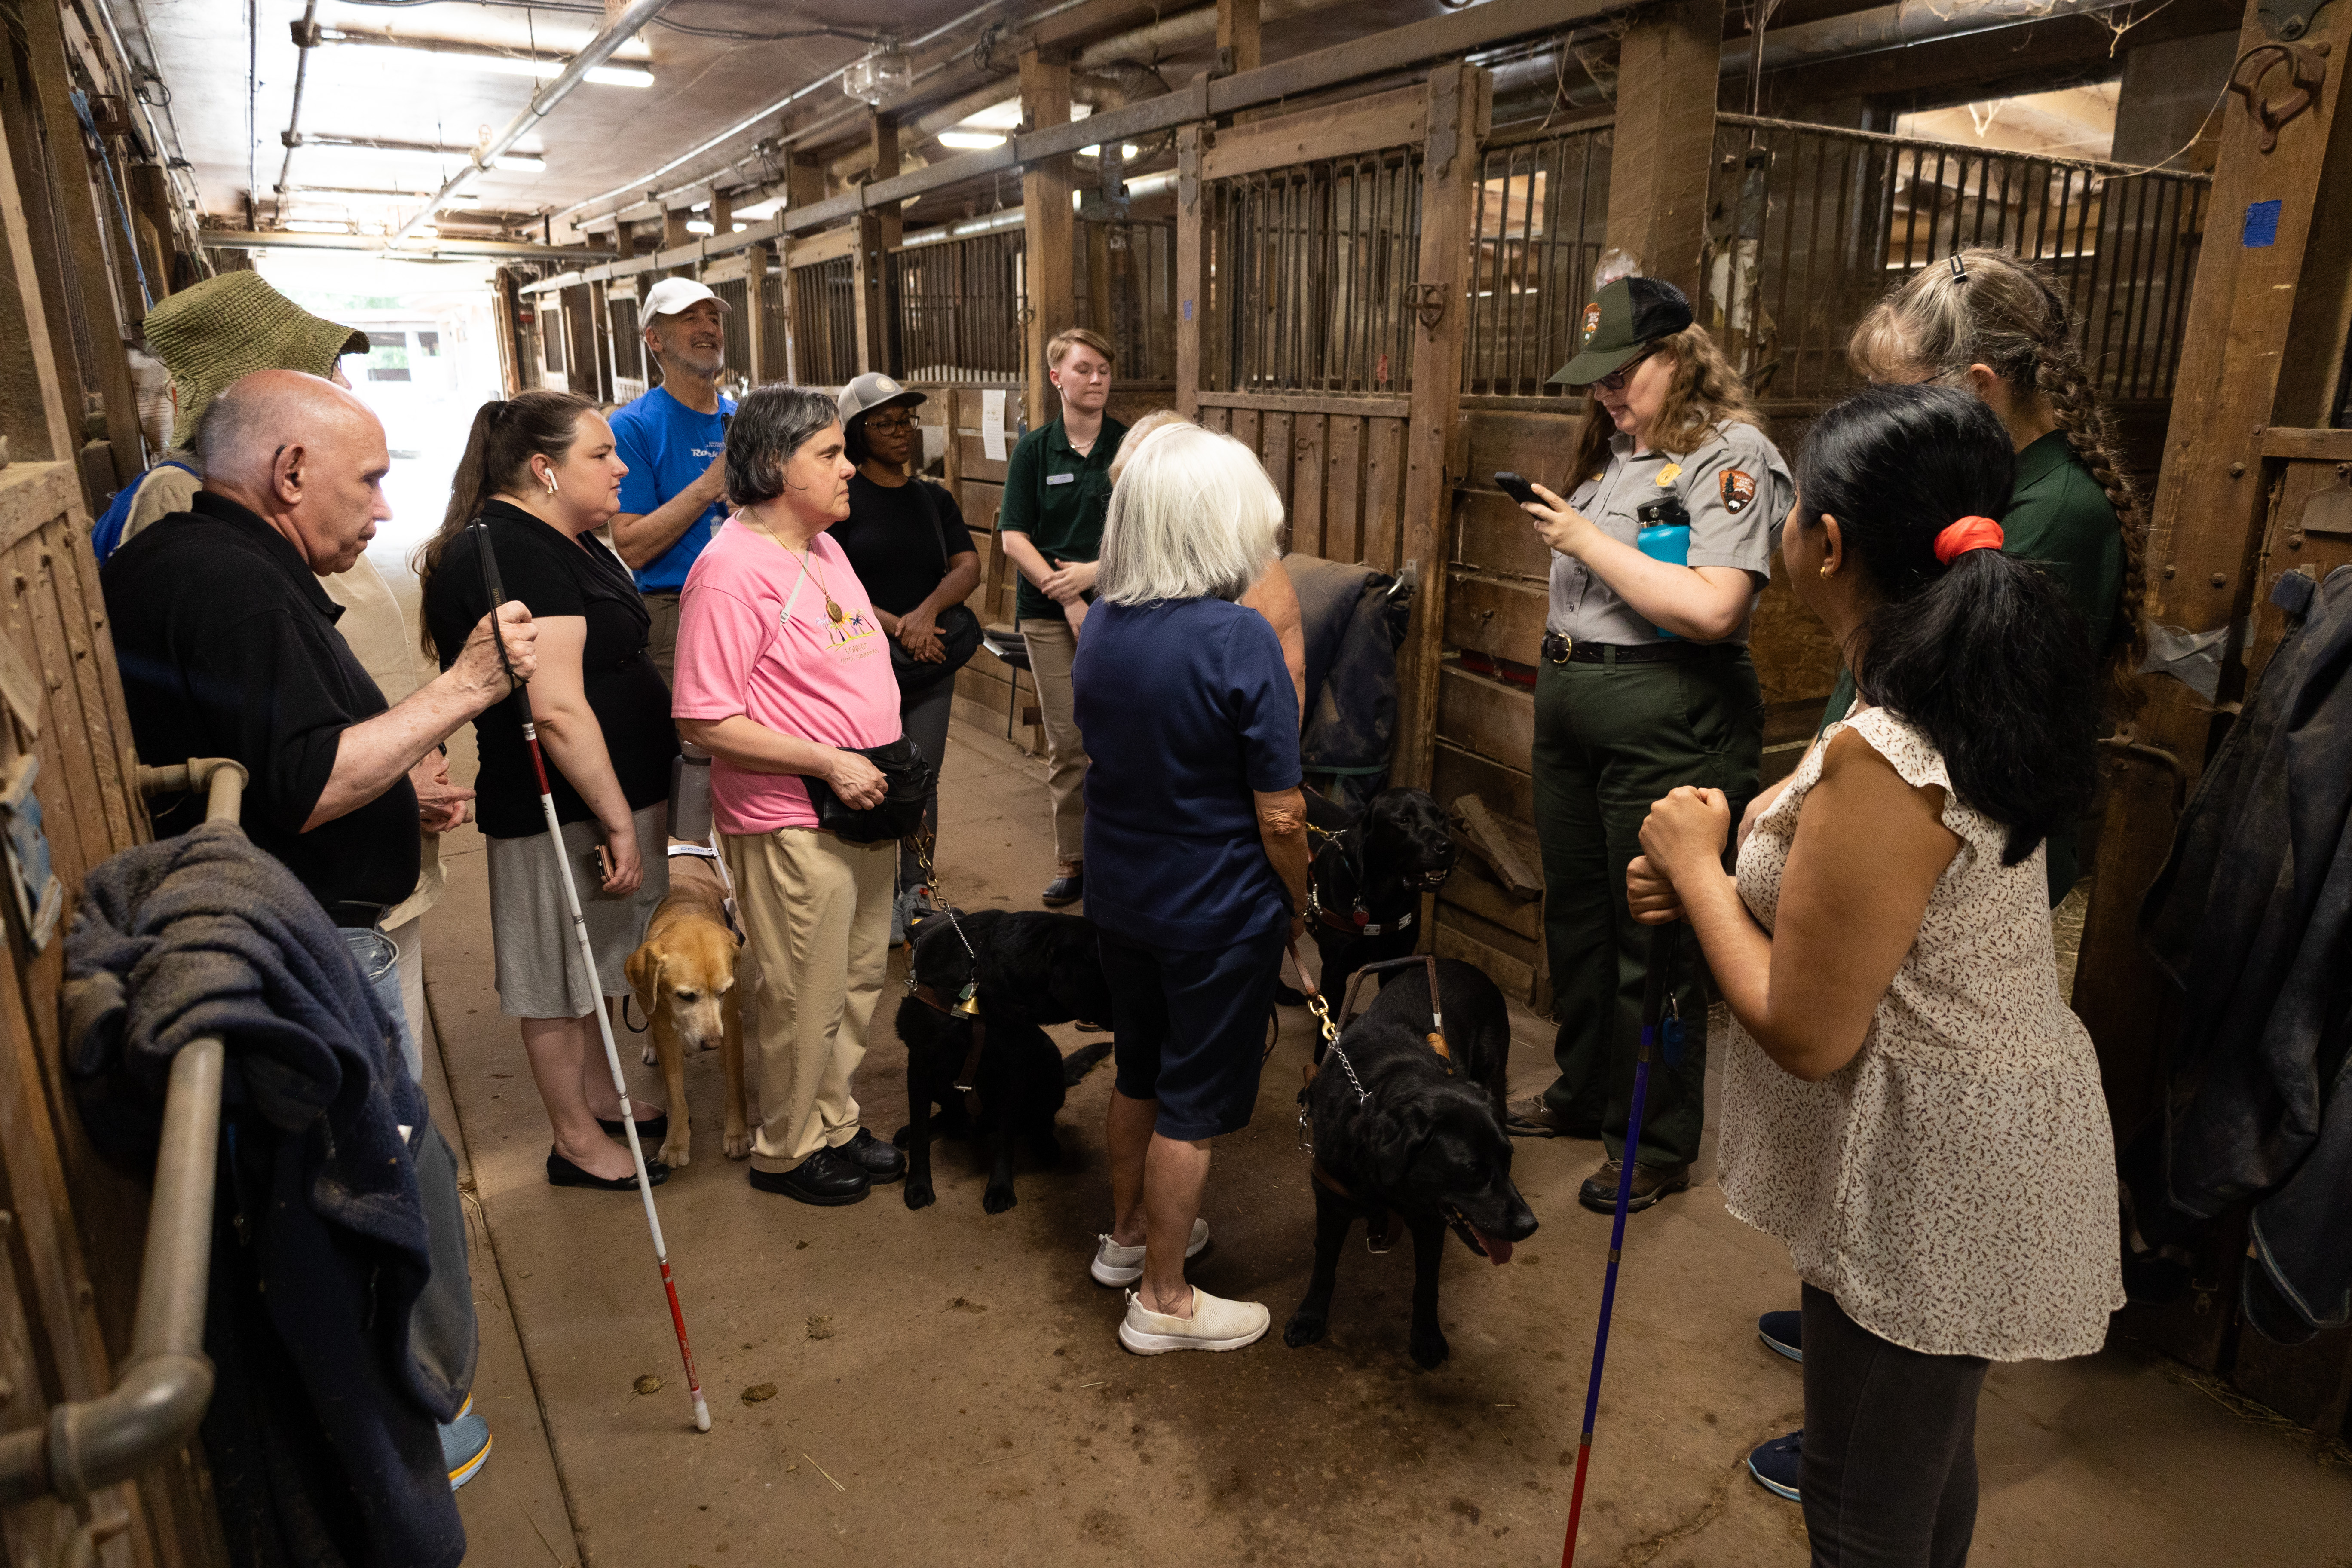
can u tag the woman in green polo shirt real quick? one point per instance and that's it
(1056, 493)
(1985, 320)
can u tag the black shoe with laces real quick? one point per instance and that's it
(1066, 888)
(879, 1161)
(824, 1178)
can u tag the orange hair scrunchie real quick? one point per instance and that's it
(1969, 533)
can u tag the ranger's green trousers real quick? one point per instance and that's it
(1612, 738)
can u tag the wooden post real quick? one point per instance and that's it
(1237, 37)
(30, 175)
(1047, 235)
(1192, 270)
(624, 238)
(2242, 330)
(1664, 145)
(1460, 99)
(804, 182)
(78, 203)
(756, 284)
(878, 237)
(722, 214)
(33, 413)
(674, 224)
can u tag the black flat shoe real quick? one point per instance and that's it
(824, 1178)
(1065, 891)
(562, 1173)
(652, 1132)
(879, 1161)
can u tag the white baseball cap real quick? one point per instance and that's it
(671, 295)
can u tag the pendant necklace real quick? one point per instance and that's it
(833, 610)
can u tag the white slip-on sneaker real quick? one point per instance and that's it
(1117, 1265)
(1216, 1324)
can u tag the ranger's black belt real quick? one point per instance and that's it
(1557, 649)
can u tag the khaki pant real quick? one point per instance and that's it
(817, 911)
(1052, 646)
(661, 637)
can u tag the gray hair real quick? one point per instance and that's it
(1192, 517)
(768, 425)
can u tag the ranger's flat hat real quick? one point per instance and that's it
(214, 333)
(1623, 319)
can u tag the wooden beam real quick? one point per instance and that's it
(1384, 120)
(34, 418)
(1460, 98)
(84, 242)
(878, 237)
(673, 228)
(625, 240)
(1047, 234)
(1663, 146)
(766, 356)
(2210, 511)
(1237, 37)
(1192, 271)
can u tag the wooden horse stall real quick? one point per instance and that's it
(821, 273)
(70, 1272)
(741, 281)
(624, 336)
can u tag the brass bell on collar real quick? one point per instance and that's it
(967, 1005)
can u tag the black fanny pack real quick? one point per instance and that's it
(908, 777)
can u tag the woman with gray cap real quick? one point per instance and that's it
(1674, 506)
(906, 538)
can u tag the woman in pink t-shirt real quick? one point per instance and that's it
(783, 675)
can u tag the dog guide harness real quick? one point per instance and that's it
(1380, 1221)
(1348, 843)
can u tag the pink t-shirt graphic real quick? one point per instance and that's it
(754, 638)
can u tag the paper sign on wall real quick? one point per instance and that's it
(992, 424)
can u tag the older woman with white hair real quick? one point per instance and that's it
(1196, 832)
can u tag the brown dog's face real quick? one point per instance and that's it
(686, 971)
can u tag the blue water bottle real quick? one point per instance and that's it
(1664, 535)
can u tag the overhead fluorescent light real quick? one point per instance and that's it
(520, 163)
(315, 226)
(971, 140)
(698, 225)
(524, 65)
(759, 210)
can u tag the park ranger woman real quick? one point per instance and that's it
(1673, 511)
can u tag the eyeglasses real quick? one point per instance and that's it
(889, 426)
(1615, 380)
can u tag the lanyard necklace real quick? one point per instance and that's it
(833, 610)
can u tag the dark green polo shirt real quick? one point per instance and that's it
(1059, 500)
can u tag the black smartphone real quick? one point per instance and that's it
(1517, 488)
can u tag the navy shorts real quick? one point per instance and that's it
(1190, 1028)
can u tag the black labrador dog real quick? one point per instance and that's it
(1369, 874)
(1026, 969)
(1403, 1133)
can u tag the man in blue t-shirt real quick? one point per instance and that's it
(674, 439)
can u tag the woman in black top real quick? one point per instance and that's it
(541, 470)
(907, 540)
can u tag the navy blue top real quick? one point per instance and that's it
(1187, 709)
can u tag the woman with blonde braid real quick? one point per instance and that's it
(1987, 322)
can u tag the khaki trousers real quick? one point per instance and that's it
(1052, 648)
(661, 637)
(817, 911)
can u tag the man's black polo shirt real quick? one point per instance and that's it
(228, 649)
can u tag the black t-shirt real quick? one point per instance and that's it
(553, 575)
(228, 649)
(894, 544)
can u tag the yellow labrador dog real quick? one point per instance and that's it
(684, 975)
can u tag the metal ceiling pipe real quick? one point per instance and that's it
(306, 38)
(624, 27)
(1117, 84)
(1174, 32)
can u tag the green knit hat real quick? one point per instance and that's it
(214, 333)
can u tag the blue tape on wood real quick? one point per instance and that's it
(2261, 225)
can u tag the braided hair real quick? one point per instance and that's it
(1993, 309)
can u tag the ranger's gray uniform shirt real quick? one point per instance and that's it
(1738, 491)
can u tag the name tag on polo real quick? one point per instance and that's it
(1061, 479)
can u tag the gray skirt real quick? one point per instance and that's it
(530, 931)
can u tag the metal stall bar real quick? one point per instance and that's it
(161, 1392)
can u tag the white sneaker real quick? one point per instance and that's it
(1117, 1265)
(1216, 1324)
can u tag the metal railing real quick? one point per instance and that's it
(824, 323)
(959, 304)
(1133, 266)
(161, 1392)
(1314, 266)
(1808, 225)
(735, 293)
(1542, 221)
(628, 345)
(775, 326)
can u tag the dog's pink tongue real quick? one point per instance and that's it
(1498, 1251)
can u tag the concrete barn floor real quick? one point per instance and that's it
(947, 1389)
